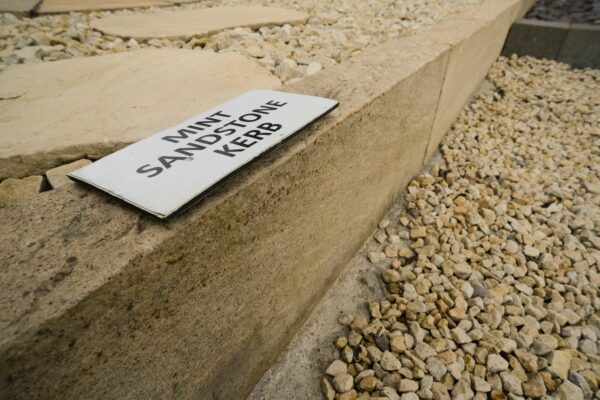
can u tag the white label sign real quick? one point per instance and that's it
(164, 172)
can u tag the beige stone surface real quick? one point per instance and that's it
(212, 296)
(13, 191)
(61, 6)
(476, 37)
(198, 22)
(18, 6)
(66, 110)
(218, 291)
(57, 177)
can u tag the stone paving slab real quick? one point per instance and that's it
(200, 306)
(92, 106)
(63, 6)
(575, 44)
(18, 6)
(199, 22)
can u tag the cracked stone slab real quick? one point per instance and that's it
(57, 112)
(18, 6)
(199, 22)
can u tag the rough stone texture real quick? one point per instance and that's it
(476, 38)
(581, 47)
(115, 287)
(198, 23)
(300, 365)
(60, 6)
(536, 38)
(57, 177)
(134, 95)
(18, 6)
(13, 191)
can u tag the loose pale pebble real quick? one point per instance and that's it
(390, 393)
(313, 68)
(349, 395)
(568, 391)
(511, 383)
(419, 232)
(424, 351)
(368, 384)
(544, 344)
(480, 385)
(496, 363)
(492, 270)
(440, 391)
(462, 390)
(559, 363)
(460, 336)
(409, 396)
(389, 362)
(581, 383)
(436, 368)
(327, 389)
(534, 387)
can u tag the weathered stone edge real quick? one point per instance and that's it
(243, 269)
(98, 25)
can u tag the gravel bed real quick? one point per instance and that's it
(336, 30)
(579, 11)
(493, 272)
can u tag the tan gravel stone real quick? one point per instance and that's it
(534, 387)
(327, 389)
(336, 368)
(559, 363)
(343, 382)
